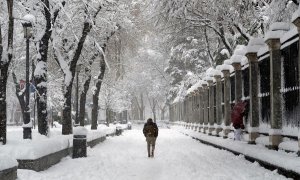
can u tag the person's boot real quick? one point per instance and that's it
(152, 154)
(148, 149)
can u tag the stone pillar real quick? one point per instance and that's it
(227, 106)
(211, 107)
(218, 96)
(196, 114)
(296, 22)
(238, 81)
(190, 111)
(180, 111)
(254, 101)
(194, 110)
(274, 44)
(205, 107)
(201, 111)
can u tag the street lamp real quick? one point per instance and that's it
(27, 26)
(78, 68)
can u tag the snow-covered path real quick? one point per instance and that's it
(177, 157)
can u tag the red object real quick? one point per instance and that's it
(237, 115)
(22, 84)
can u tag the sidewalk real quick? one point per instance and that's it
(287, 164)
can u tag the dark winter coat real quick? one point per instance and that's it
(237, 114)
(150, 129)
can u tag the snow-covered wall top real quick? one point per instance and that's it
(208, 78)
(239, 54)
(217, 71)
(264, 49)
(255, 44)
(209, 72)
(277, 30)
(280, 26)
(194, 87)
(227, 67)
(292, 32)
(296, 14)
(7, 162)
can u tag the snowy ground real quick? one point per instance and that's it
(40, 145)
(177, 157)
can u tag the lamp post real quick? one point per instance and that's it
(2, 123)
(27, 35)
(78, 68)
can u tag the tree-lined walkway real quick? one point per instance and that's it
(177, 157)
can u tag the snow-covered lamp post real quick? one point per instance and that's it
(78, 68)
(253, 46)
(27, 27)
(272, 38)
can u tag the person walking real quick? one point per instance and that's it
(150, 131)
(237, 114)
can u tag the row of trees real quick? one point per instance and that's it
(111, 40)
(65, 33)
(197, 34)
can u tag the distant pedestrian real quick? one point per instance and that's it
(237, 114)
(150, 131)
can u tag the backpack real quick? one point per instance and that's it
(150, 130)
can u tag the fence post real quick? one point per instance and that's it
(252, 49)
(192, 96)
(196, 113)
(201, 111)
(238, 81)
(273, 40)
(227, 92)
(189, 105)
(296, 22)
(211, 105)
(218, 96)
(185, 111)
(205, 106)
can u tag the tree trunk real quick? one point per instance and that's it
(83, 100)
(67, 117)
(3, 116)
(4, 65)
(135, 109)
(162, 112)
(85, 90)
(141, 108)
(41, 72)
(154, 109)
(125, 116)
(96, 93)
